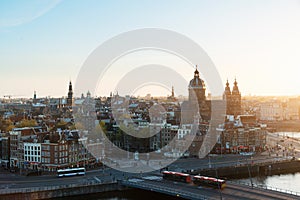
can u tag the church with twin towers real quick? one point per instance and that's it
(199, 102)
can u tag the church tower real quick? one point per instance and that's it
(172, 95)
(233, 99)
(197, 98)
(70, 95)
(34, 97)
(197, 89)
(236, 100)
(227, 98)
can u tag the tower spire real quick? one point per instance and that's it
(70, 95)
(172, 91)
(196, 73)
(227, 83)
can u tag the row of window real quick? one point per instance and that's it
(61, 154)
(56, 148)
(32, 153)
(62, 160)
(32, 158)
(32, 148)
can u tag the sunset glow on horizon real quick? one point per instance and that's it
(44, 44)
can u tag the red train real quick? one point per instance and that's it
(197, 180)
(209, 181)
(177, 176)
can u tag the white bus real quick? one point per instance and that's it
(71, 172)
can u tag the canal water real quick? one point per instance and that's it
(286, 183)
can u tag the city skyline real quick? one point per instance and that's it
(171, 99)
(43, 48)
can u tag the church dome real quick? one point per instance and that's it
(196, 82)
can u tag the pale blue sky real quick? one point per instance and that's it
(44, 43)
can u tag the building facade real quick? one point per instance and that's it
(233, 99)
(32, 154)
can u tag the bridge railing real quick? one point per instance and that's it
(168, 190)
(266, 187)
(48, 188)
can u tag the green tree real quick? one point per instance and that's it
(6, 125)
(27, 123)
(61, 125)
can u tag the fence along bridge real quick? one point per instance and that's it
(190, 191)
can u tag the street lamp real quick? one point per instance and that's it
(209, 163)
(249, 173)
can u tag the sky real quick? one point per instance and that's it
(44, 44)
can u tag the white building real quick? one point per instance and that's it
(32, 153)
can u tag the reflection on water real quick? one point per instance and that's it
(289, 182)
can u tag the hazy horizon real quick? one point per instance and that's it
(44, 44)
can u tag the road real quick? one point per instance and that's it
(232, 191)
(108, 175)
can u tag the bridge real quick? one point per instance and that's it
(190, 191)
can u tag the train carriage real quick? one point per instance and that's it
(209, 181)
(177, 176)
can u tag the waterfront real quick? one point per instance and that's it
(295, 135)
(285, 183)
(94, 176)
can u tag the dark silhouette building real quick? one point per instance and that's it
(70, 95)
(197, 102)
(34, 97)
(233, 99)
